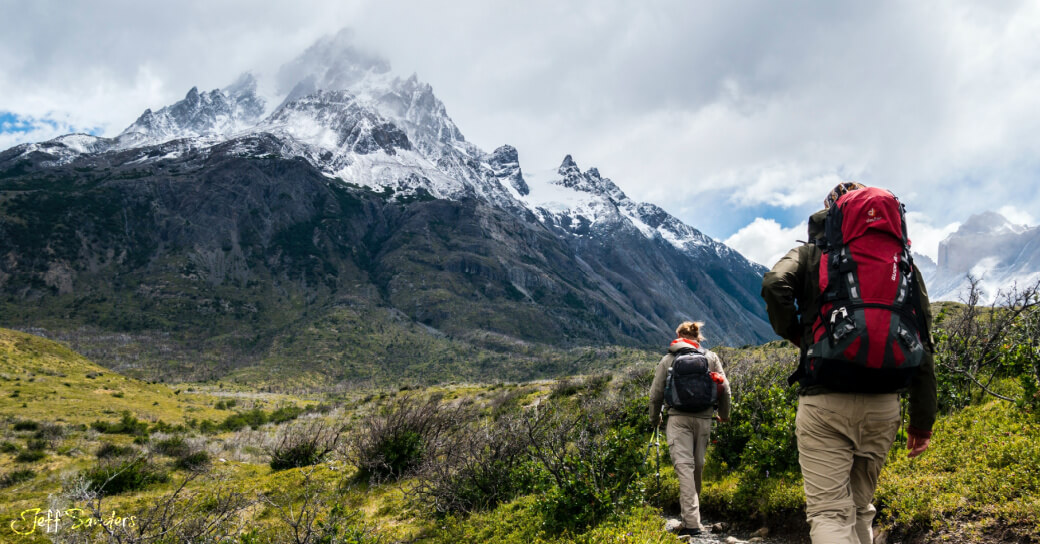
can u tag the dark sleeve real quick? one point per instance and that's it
(923, 399)
(779, 289)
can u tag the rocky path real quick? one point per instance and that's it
(720, 535)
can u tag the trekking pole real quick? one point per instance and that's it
(657, 446)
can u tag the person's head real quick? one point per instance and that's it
(840, 189)
(691, 330)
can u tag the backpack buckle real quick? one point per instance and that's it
(843, 327)
(843, 311)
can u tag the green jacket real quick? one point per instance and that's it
(791, 291)
(661, 378)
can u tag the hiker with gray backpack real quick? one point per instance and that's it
(691, 381)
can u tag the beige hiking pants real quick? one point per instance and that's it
(687, 442)
(843, 439)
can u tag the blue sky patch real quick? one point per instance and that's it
(13, 123)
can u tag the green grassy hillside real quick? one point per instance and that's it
(554, 461)
(46, 381)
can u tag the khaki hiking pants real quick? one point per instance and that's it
(687, 442)
(843, 439)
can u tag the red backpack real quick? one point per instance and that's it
(867, 336)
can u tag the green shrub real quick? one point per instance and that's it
(16, 477)
(30, 456)
(285, 413)
(481, 467)
(49, 431)
(8, 447)
(394, 442)
(175, 446)
(128, 424)
(26, 425)
(304, 445)
(760, 436)
(120, 476)
(109, 450)
(253, 418)
(194, 461)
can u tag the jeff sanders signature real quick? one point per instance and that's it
(52, 521)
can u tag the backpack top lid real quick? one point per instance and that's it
(869, 210)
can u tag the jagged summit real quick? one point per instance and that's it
(588, 182)
(505, 165)
(217, 113)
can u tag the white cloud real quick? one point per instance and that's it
(684, 104)
(925, 235)
(765, 241)
(1017, 216)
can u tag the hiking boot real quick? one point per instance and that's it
(693, 531)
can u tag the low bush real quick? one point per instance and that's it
(761, 435)
(108, 450)
(49, 432)
(30, 456)
(175, 446)
(120, 476)
(16, 477)
(25, 425)
(128, 424)
(304, 445)
(484, 466)
(193, 461)
(395, 441)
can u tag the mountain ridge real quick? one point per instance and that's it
(367, 193)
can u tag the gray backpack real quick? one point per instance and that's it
(690, 387)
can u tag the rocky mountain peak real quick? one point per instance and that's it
(589, 182)
(505, 165)
(219, 112)
(568, 167)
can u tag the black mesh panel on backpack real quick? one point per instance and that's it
(690, 387)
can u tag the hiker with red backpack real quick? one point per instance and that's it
(853, 301)
(691, 381)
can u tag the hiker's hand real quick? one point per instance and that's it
(721, 419)
(916, 445)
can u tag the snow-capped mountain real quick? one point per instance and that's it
(216, 114)
(988, 247)
(349, 181)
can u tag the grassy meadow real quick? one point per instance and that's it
(550, 461)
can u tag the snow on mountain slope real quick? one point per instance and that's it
(990, 248)
(583, 202)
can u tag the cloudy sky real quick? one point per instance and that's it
(735, 116)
